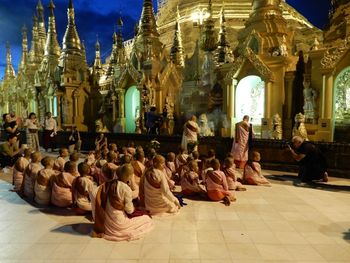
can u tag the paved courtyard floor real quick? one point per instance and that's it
(287, 222)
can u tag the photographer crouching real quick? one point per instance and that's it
(312, 163)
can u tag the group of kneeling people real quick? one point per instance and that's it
(111, 185)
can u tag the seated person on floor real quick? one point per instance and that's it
(74, 157)
(232, 174)
(132, 181)
(170, 167)
(61, 159)
(30, 174)
(61, 194)
(190, 184)
(150, 156)
(111, 158)
(9, 152)
(19, 167)
(207, 163)
(181, 160)
(115, 215)
(81, 187)
(155, 192)
(216, 185)
(252, 171)
(312, 163)
(139, 165)
(195, 156)
(43, 182)
(131, 148)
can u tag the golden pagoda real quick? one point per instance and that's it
(248, 57)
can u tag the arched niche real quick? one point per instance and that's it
(250, 100)
(132, 108)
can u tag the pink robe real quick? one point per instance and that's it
(216, 185)
(240, 143)
(139, 169)
(59, 164)
(118, 226)
(158, 198)
(30, 174)
(254, 176)
(104, 176)
(190, 183)
(18, 174)
(62, 196)
(42, 192)
(231, 177)
(82, 200)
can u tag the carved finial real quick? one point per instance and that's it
(9, 71)
(148, 25)
(176, 51)
(51, 7)
(223, 44)
(208, 39)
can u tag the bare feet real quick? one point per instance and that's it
(325, 177)
(227, 201)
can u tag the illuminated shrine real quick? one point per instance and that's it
(217, 59)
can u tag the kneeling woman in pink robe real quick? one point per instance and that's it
(231, 175)
(19, 167)
(252, 171)
(216, 184)
(30, 174)
(190, 180)
(42, 187)
(61, 195)
(115, 215)
(155, 192)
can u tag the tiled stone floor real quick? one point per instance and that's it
(284, 223)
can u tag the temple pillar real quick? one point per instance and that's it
(265, 122)
(59, 112)
(140, 123)
(328, 102)
(75, 108)
(325, 129)
(159, 100)
(120, 121)
(230, 102)
(287, 118)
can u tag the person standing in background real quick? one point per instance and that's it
(32, 126)
(242, 142)
(50, 131)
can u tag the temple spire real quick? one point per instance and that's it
(148, 25)
(176, 51)
(9, 71)
(98, 62)
(41, 26)
(24, 56)
(208, 38)
(223, 44)
(35, 56)
(114, 55)
(52, 47)
(71, 40)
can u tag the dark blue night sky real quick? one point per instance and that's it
(99, 17)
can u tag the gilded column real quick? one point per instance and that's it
(328, 103)
(268, 99)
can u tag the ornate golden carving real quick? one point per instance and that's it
(333, 55)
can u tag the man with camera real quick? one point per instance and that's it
(312, 163)
(9, 151)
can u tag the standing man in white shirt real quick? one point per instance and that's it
(50, 131)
